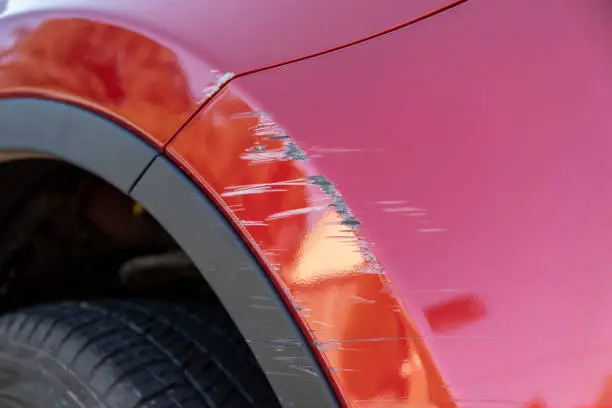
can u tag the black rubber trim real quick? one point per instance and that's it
(75, 135)
(240, 283)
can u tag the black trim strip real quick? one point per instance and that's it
(240, 283)
(75, 135)
(116, 155)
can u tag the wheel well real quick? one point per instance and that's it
(66, 234)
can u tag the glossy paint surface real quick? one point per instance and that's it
(300, 227)
(239, 35)
(473, 151)
(149, 65)
(127, 75)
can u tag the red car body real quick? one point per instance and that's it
(426, 182)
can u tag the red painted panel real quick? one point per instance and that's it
(150, 66)
(242, 35)
(475, 147)
(298, 224)
(127, 75)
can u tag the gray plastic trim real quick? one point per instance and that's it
(38, 127)
(85, 139)
(240, 283)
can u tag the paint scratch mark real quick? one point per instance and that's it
(263, 188)
(258, 157)
(431, 230)
(247, 223)
(297, 211)
(254, 190)
(337, 201)
(267, 129)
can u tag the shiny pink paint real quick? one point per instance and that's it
(475, 147)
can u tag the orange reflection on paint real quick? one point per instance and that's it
(105, 67)
(302, 230)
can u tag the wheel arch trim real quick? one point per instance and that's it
(117, 155)
(239, 281)
(76, 135)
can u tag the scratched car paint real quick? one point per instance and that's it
(433, 204)
(301, 227)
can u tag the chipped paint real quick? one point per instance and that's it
(314, 249)
(220, 80)
(267, 130)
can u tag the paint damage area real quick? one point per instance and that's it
(301, 226)
(220, 79)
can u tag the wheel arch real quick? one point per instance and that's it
(118, 156)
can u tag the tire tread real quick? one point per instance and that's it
(146, 353)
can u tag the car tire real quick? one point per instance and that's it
(127, 354)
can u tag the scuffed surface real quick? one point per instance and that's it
(299, 224)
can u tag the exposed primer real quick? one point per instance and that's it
(214, 87)
(294, 152)
(337, 201)
(267, 130)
